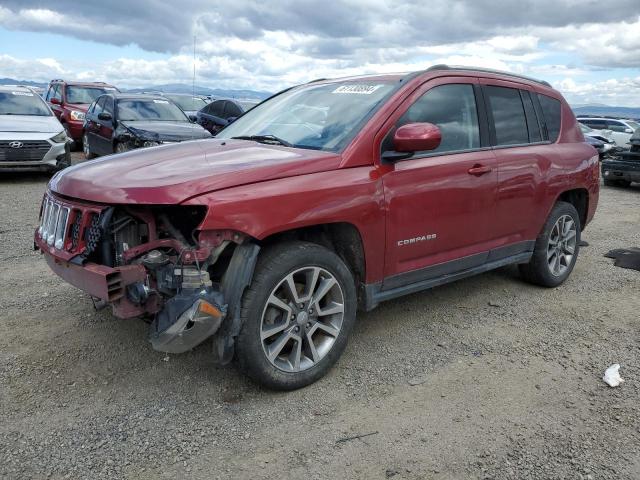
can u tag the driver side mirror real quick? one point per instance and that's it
(411, 138)
(55, 101)
(105, 116)
(193, 118)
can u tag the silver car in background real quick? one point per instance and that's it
(31, 137)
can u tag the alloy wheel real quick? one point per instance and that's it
(302, 319)
(85, 146)
(562, 245)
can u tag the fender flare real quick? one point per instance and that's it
(234, 282)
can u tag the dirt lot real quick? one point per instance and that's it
(485, 378)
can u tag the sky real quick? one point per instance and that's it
(587, 49)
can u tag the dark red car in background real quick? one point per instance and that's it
(70, 101)
(328, 197)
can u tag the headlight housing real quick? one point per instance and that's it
(60, 137)
(76, 115)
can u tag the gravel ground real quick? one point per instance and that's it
(485, 378)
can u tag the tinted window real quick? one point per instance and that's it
(108, 105)
(616, 126)
(77, 94)
(508, 116)
(216, 108)
(535, 135)
(232, 110)
(151, 109)
(551, 111)
(99, 106)
(453, 109)
(57, 92)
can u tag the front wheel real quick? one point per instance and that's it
(556, 248)
(297, 315)
(88, 154)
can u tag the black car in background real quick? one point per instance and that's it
(220, 113)
(117, 122)
(190, 104)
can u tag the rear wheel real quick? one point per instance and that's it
(556, 248)
(85, 147)
(121, 147)
(297, 315)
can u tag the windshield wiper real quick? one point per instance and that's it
(269, 139)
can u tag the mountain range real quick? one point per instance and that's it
(578, 109)
(167, 88)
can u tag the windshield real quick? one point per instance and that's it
(152, 109)
(634, 125)
(321, 117)
(85, 94)
(186, 102)
(22, 103)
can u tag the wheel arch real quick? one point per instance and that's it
(579, 198)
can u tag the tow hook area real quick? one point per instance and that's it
(187, 320)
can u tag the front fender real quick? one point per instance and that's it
(262, 209)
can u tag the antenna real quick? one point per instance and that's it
(193, 83)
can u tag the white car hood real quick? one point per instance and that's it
(29, 124)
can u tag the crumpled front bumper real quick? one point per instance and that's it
(105, 283)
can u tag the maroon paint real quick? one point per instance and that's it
(472, 201)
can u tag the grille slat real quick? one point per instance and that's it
(31, 150)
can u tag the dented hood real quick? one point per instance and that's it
(171, 174)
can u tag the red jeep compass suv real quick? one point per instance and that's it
(70, 101)
(328, 197)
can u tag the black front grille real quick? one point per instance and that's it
(75, 231)
(29, 150)
(93, 234)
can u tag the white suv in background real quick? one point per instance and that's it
(31, 137)
(621, 130)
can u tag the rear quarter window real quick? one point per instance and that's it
(551, 109)
(508, 114)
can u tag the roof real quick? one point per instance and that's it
(434, 69)
(86, 84)
(13, 88)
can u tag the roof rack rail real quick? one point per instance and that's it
(318, 80)
(486, 70)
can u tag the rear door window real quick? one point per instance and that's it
(217, 108)
(616, 126)
(551, 110)
(507, 110)
(231, 110)
(535, 135)
(452, 108)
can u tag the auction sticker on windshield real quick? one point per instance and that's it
(357, 89)
(161, 101)
(24, 94)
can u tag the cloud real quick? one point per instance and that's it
(269, 45)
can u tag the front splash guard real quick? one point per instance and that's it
(187, 320)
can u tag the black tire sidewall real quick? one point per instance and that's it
(272, 267)
(539, 260)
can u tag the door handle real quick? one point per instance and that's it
(478, 170)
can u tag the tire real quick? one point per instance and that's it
(119, 147)
(88, 154)
(295, 362)
(617, 183)
(555, 254)
(610, 183)
(624, 183)
(74, 144)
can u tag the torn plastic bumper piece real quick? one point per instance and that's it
(187, 320)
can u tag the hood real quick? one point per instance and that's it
(29, 123)
(81, 107)
(170, 174)
(165, 131)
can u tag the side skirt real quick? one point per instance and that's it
(373, 293)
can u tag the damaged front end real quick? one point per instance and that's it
(153, 262)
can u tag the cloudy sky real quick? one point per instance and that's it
(588, 49)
